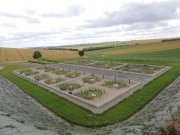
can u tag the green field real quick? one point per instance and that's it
(104, 44)
(172, 55)
(124, 109)
(115, 43)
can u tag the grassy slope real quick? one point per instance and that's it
(77, 115)
(146, 41)
(80, 47)
(151, 47)
(172, 55)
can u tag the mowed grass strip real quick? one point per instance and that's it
(80, 116)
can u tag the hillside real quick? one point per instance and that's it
(116, 43)
(13, 54)
(151, 47)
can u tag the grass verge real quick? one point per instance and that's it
(44, 61)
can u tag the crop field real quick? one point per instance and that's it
(137, 42)
(80, 47)
(166, 55)
(12, 54)
(153, 47)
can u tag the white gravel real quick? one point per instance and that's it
(1, 67)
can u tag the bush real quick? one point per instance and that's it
(90, 79)
(52, 81)
(72, 74)
(48, 69)
(115, 84)
(59, 72)
(91, 93)
(37, 55)
(28, 72)
(69, 86)
(81, 53)
(40, 77)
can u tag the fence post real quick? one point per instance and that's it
(114, 78)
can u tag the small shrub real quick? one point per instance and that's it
(25, 70)
(49, 81)
(52, 81)
(72, 74)
(69, 86)
(48, 69)
(91, 93)
(114, 84)
(59, 79)
(145, 69)
(40, 77)
(39, 68)
(59, 72)
(28, 72)
(91, 79)
(31, 73)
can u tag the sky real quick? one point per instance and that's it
(33, 23)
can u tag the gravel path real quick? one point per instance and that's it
(1, 67)
(107, 72)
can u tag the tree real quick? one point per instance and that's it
(37, 55)
(81, 53)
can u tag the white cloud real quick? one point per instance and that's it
(25, 23)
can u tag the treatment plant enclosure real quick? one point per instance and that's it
(94, 85)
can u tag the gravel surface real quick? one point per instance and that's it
(107, 72)
(16, 105)
(22, 115)
(1, 67)
(155, 114)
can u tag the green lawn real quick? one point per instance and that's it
(80, 116)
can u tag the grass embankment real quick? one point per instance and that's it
(80, 116)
